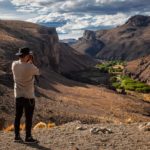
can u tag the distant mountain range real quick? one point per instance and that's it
(69, 41)
(126, 42)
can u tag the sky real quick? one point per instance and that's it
(72, 17)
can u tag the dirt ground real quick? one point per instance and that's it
(77, 136)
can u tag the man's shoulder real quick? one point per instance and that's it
(15, 62)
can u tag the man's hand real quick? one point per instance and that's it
(30, 60)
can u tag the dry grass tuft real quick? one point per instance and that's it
(146, 97)
(44, 125)
(40, 125)
(51, 125)
(11, 128)
(37, 126)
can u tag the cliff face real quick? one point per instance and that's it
(88, 44)
(44, 43)
(127, 42)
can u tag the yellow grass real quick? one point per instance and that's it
(51, 125)
(11, 128)
(146, 97)
(40, 125)
(44, 125)
(37, 126)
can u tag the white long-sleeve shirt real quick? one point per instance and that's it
(23, 74)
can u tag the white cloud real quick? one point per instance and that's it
(73, 16)
(75, 24)
(60, 5)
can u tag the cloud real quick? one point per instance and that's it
(68, 23)
(94, 6)
(71, 17)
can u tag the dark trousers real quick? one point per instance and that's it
(28, 106)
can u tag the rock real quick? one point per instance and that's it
(88, 43)
(139, 21)
(145, 127)
(104, 130)
(94, 130)
(89, 35)
(80, 128)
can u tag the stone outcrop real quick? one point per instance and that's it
(88, 44)
(139, 21)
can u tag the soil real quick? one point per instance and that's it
(77, 136)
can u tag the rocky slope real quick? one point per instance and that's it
(139, 69)
(126, 42)
(59, 99)
(77, 136)
(49, 53)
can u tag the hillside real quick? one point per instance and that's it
(59, 99)
(139, 69)
(126, 42)
(44, 42)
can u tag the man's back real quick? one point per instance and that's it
(23, 74)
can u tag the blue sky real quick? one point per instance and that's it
(72, 17)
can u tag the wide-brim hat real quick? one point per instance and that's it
(24, 51)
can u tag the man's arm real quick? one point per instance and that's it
(35, 70)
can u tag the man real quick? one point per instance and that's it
(23, 73)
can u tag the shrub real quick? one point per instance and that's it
(113, 79)
(117, 85)
(129, 87)
(143, 89)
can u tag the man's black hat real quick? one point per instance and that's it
(24, 51)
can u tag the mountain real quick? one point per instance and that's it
(69, 41)
(126, 42)
(89, 44)
(59, 99)
(139, 69)
(49, 53)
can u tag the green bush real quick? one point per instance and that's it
(129, 87)
(116, 85)
(143, 89)
(133, 85)
(113, 79)
(103, 68)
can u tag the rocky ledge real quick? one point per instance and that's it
(78, 136)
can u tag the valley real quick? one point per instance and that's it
(75, 75)
(60, 99)
(111, 74)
